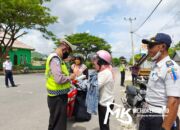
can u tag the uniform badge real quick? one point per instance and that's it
(169, 63)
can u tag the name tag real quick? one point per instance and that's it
(154, 76)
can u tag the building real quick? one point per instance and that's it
(20, 53)
(176, 57)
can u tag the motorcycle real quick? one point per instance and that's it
(135, 96)
(71, 101)
(76, 100)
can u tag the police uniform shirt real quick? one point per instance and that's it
(164, 81)
(7, 65)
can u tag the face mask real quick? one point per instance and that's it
(158, 54)
(65, 55)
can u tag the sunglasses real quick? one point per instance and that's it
(150, 46)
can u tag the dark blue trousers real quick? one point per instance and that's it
(153, 121)
(9, 76)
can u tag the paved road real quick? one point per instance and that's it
(25, 107)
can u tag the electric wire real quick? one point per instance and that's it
(148, 16)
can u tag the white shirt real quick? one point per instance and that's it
(7, 65)
(106, 87)
(164, 81)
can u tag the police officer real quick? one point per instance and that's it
(58, 85)
(7, 68)
(163, 89)
(122, 69)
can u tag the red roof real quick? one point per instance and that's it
(19, 44)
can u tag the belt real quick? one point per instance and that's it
(8, 71)
(156, 109)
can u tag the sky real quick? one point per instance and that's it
(105, 19)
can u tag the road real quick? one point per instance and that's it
(25, 107)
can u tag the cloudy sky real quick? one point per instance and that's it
(105, 18)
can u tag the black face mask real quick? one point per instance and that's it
(65, 55)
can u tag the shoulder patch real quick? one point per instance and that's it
(169, 63)
(173, 73)
(169, 70)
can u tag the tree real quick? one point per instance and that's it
(136, 57)
(87, 44)
(116, 61)
(177, 46)
(172, 50)
(18, 16)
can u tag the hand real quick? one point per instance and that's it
(72, 76)
(74, 82)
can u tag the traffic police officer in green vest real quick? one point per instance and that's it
(163, 89)
(122, 69)
(58, 85)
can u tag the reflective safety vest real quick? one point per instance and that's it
(122, 68)
(54, 88)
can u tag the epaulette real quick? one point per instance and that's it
(169, 63)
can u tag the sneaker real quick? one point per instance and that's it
(14, 85)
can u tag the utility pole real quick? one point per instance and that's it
(131, 32)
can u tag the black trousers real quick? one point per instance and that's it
(102, 112)
(58, 112)
(9, 76)
(134, 79)
(154, 121)
(122, 77)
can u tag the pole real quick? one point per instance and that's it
(131, 33)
